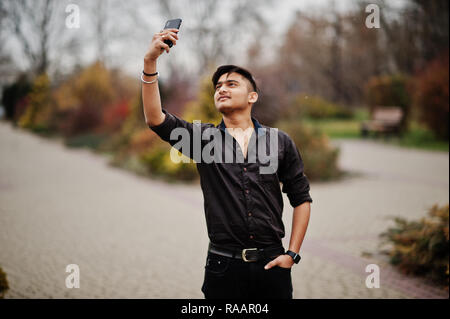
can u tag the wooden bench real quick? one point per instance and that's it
(384, 120)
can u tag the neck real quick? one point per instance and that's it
(238, 120)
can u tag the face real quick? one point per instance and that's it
(233, 91)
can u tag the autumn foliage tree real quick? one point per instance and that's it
(95, 99)
(432, 95)
(92, 91)
(39, 108)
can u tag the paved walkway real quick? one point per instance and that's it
(137, 238)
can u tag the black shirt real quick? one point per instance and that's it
(243, 207)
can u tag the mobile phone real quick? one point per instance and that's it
(172, 24)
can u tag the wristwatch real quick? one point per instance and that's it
(294, 256)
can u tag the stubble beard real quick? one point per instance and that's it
(228, 109)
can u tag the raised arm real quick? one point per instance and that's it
(150, 91)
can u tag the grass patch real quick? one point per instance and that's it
(336, 128)
(418, 136)
(340, 128)
(92, 141)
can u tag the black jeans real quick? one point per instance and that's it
(233, 278)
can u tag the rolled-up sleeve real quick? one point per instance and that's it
(291, 175)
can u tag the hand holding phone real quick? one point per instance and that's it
(172, 24)
(163, 40)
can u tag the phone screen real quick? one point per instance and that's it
(173, 24)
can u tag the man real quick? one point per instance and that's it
(243, 205)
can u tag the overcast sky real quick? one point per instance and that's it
(128, 54)
(280, 16)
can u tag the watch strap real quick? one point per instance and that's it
(296, 257)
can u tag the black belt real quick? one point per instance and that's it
(248, 254)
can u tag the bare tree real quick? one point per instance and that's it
(101, 23)
(30, 23)
(416, 33)
(216, 29)
(7, 67)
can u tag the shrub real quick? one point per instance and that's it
(319, 158)
(432, 96)
(4, 286)
(90, 140)
(84, 98)
(115, 115)
(315, 107)
(133, 137)
(93, 86)
(38, 111)
(81, 121)
(159, 163)
(421, 247)
(158, 160)
(128, 151)
(13, 94)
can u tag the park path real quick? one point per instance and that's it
(134, 237)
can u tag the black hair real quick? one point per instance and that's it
(224, 69)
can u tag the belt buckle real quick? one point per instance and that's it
(244, 251)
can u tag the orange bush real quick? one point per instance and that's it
(115, 115)
(421, 247)
(95, 100)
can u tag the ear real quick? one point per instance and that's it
(252, 97)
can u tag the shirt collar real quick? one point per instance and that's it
(259, 130)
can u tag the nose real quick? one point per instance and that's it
(222, 89)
